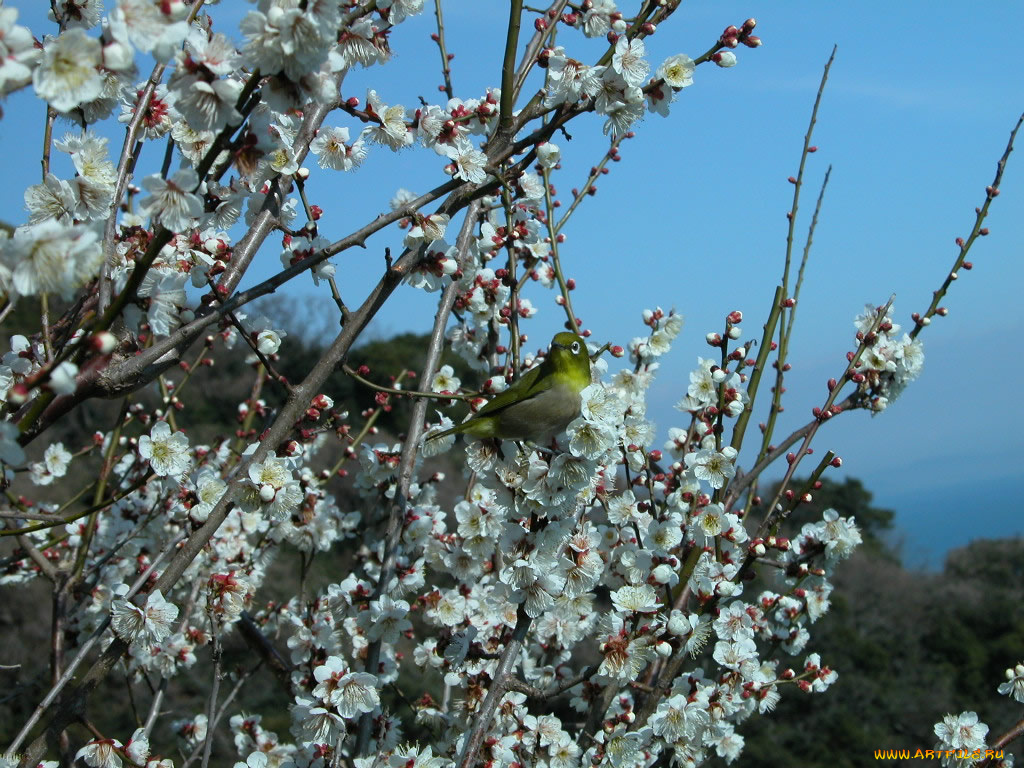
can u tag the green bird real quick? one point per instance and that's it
(541, 403)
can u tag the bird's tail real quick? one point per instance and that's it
(442, 433)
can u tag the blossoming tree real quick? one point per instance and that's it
(599, 578)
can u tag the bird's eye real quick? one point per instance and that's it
(575, 347)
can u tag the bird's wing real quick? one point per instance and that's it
(530, 384)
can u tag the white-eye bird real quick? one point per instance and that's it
(541, 403)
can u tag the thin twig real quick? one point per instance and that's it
(991, 191)
(446, 70)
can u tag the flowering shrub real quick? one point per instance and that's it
(591, 602)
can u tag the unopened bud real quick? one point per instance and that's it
(724, 59)
(17, 394)
(104, 342)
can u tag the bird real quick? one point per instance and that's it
(541, 403)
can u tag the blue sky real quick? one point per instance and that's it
(918, 109)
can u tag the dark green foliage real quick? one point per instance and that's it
(910, 647)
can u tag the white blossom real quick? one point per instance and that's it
(166, 452)
(68, 74)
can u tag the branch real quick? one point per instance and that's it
(410, 450)
(499, 685)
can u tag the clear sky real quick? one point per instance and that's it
(918, 109)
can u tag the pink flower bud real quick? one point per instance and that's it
(104, 342)
(17, 394)
(724, 59)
